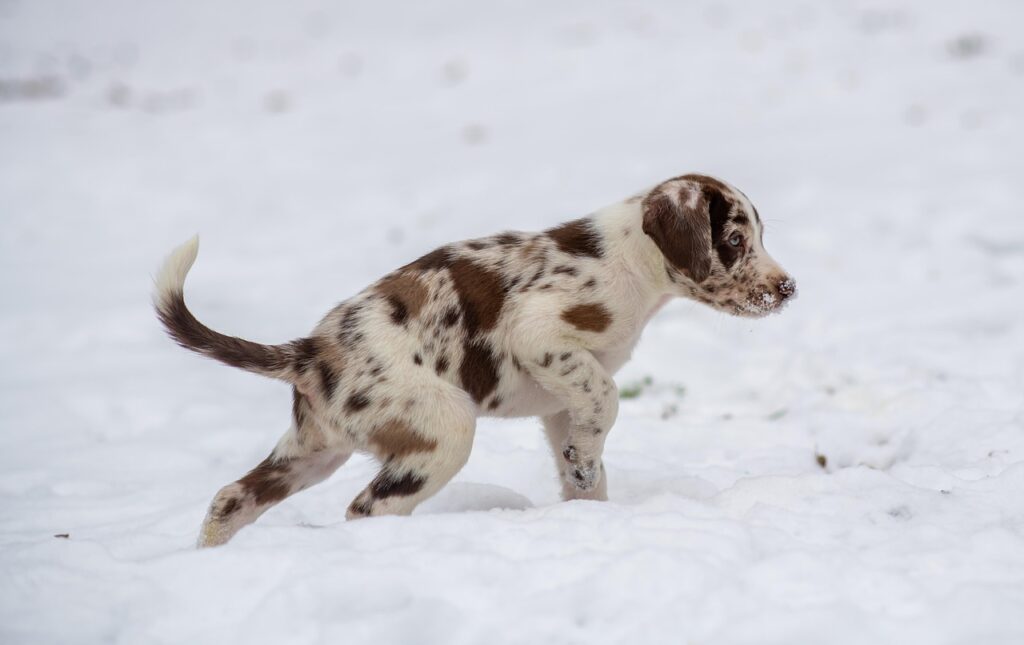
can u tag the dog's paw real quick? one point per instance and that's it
(583, 474)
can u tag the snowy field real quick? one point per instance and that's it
(851, 471)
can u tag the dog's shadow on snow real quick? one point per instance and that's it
(459, 497)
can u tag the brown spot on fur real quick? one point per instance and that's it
(348, 329)
(578, 237)
(547, 360)
(532, 281)
(481, 295)
(478, 371)
(588, 317)
(305, 351)
(357, 402)
(328, 379)
(477, 245)
(566, 270)
(228, 508)
(388, 484)
(267, 482)
(495, 403)
(397, 439)
(441, 366)
(361, 506)
(416, 358)
(399, 313)
(590, 284)
(451, 317)
(406, 294)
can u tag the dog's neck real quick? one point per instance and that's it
(635, 253)
(635, 260)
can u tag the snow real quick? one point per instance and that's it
(849, 471)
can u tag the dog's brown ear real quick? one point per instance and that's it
(682, 230)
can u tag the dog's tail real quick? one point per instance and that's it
(277, 361)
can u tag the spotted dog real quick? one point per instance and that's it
(513, 325)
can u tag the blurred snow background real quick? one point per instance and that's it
(851, 471)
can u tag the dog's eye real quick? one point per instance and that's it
(735, 239)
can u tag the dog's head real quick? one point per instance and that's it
(711, 238)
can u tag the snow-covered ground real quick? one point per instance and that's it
(851, 471)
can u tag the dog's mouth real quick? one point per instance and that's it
(763, 302)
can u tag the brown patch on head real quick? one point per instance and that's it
(680, 227)
(405, 292)
(481, 295)
(397, 439)
(719, 207)
(578, 237)
(593, 317)
(267, 482)
(479, 370)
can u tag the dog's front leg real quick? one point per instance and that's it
(576, 378)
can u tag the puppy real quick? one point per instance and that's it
(513, 325)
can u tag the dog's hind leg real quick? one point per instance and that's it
(299, 461)
(275, 478)
(419, 454)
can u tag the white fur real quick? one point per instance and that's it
(170, 279)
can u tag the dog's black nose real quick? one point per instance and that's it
(786, 287)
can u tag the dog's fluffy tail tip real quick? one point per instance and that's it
(170, 280)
